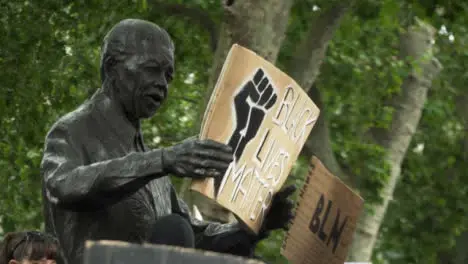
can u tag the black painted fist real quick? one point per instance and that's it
(197, 159)
(251, 104)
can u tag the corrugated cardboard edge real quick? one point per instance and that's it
(203, 186)
(315, 164)
(217, 90)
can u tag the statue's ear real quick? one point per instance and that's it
(13, 262)
(108, 67)
(109, 63)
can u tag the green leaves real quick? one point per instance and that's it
(50, 64)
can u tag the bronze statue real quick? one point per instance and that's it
(100, 181)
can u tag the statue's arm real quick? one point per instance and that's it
(227, 238)
(74, 185)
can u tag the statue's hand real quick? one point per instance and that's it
(281, 210)
(280, 214)
(198, 159)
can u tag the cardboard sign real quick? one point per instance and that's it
(325, 221)
(118, 252)
(266, 118)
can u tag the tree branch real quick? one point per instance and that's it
(304, 68)
(319, 142)
(259, 26)
(408, 106)
(193, 14)
(305, 65)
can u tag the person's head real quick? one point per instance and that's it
(137, 61)
(29, 247)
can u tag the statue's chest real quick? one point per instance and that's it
(142, 209)
(107, 146)
(147, 204)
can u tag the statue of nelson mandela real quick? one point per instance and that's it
(100, 181)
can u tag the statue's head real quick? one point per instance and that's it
(137, 61)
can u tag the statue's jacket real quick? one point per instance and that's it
(100, 181)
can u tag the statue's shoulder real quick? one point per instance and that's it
(75, 121)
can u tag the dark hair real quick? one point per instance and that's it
(30, 245)
(120, 42)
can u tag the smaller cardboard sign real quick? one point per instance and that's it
(266, 117)
(325, 220)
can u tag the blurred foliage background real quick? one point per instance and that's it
(49, 57)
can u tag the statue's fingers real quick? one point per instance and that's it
(191, 166)
(204, 173)
(214, 165)
(215, 155)
(209, 164)
(289, 204)
(286, 191)
(211, 144)
(213, 173)
(291, 215)
(199, 172)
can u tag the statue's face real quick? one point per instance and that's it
(144, 78)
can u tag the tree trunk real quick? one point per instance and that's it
(304, 68)
(305, 65)
(459, 255)
(259, 26)
(408, 106)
